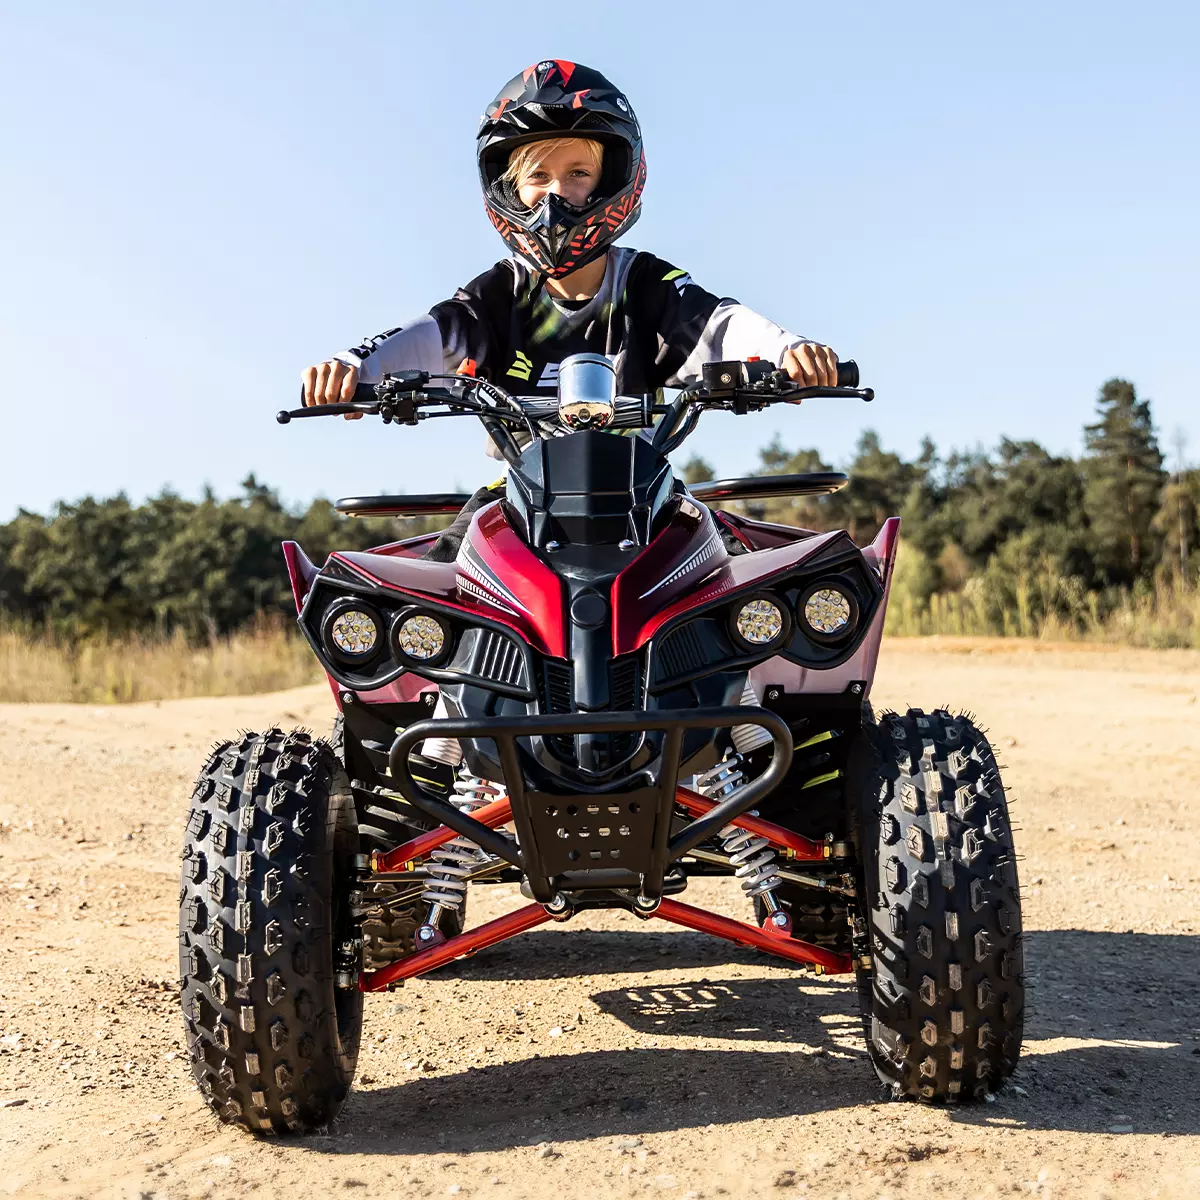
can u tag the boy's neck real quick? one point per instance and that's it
(582, 284)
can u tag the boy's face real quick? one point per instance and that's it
(568, 170)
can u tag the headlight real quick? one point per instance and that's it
(760, 622)
(829, 612)
(421, 638)
(354, 632)
(351, 632)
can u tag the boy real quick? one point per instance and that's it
(562, 170)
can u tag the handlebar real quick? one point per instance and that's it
(406, 398)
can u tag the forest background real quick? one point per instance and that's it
(105, 599)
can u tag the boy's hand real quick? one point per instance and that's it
(330, 383)
(811, 366)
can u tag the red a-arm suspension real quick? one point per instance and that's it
(499, 812)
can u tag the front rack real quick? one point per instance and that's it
(561, 843)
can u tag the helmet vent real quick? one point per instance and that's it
(594, 121)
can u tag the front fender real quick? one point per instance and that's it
(301, 572)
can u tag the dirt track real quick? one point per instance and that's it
(673, 1065)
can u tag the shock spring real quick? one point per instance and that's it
(754, 861)
(451, 866)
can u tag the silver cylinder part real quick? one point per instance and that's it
(443, 750)
(754, 861)
(450, 866)
(587, 391)
(749, 737)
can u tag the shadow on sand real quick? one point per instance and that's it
(1125, 1001)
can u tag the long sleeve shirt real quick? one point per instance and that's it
(655, 323)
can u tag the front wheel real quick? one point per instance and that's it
(943, 997)
(265, 927)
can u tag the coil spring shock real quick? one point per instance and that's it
(754, 861)
(451, 865)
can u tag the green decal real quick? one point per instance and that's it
(675, 274)
(521, 368)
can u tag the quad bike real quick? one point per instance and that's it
(611, 690)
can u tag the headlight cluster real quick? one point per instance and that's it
(826, 610)
(353, 635)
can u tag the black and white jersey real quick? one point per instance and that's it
(650, 318)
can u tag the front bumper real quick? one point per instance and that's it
(619, 838)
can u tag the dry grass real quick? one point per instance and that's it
(40, 668)
(1042, 604)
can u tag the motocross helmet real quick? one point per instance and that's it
(551, 99)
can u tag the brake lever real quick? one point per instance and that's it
(813, 393)
(754, 399)
(326, 410)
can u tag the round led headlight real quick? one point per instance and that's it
(420, 638)
(829, 612)
(352, 632)
(760, 622)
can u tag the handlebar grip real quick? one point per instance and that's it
(363, 393)
(847, 374)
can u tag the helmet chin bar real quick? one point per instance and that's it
(552, 223)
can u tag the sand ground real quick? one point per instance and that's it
(611, 1058)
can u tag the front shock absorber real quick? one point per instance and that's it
(450, 866)
(753, 860)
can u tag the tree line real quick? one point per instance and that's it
(1093, 531)
(1101, 526)
(205, 567)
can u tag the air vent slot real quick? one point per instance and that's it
(556, 692)
(681, 653)
(625, 682)
(557, 685)
(499, 659)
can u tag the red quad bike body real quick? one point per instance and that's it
(611, 690)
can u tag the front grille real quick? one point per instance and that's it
(499, 659)
(681, 653)
(556, 693)
(625, 682)
(557, 685)
(625, 690)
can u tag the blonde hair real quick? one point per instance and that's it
(527, 158)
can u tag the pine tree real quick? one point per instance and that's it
(697, 470)
(1124, 475)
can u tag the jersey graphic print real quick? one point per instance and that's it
(521, 368)
(680, 279)
(655, 324)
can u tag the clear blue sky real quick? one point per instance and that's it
(992, 207)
